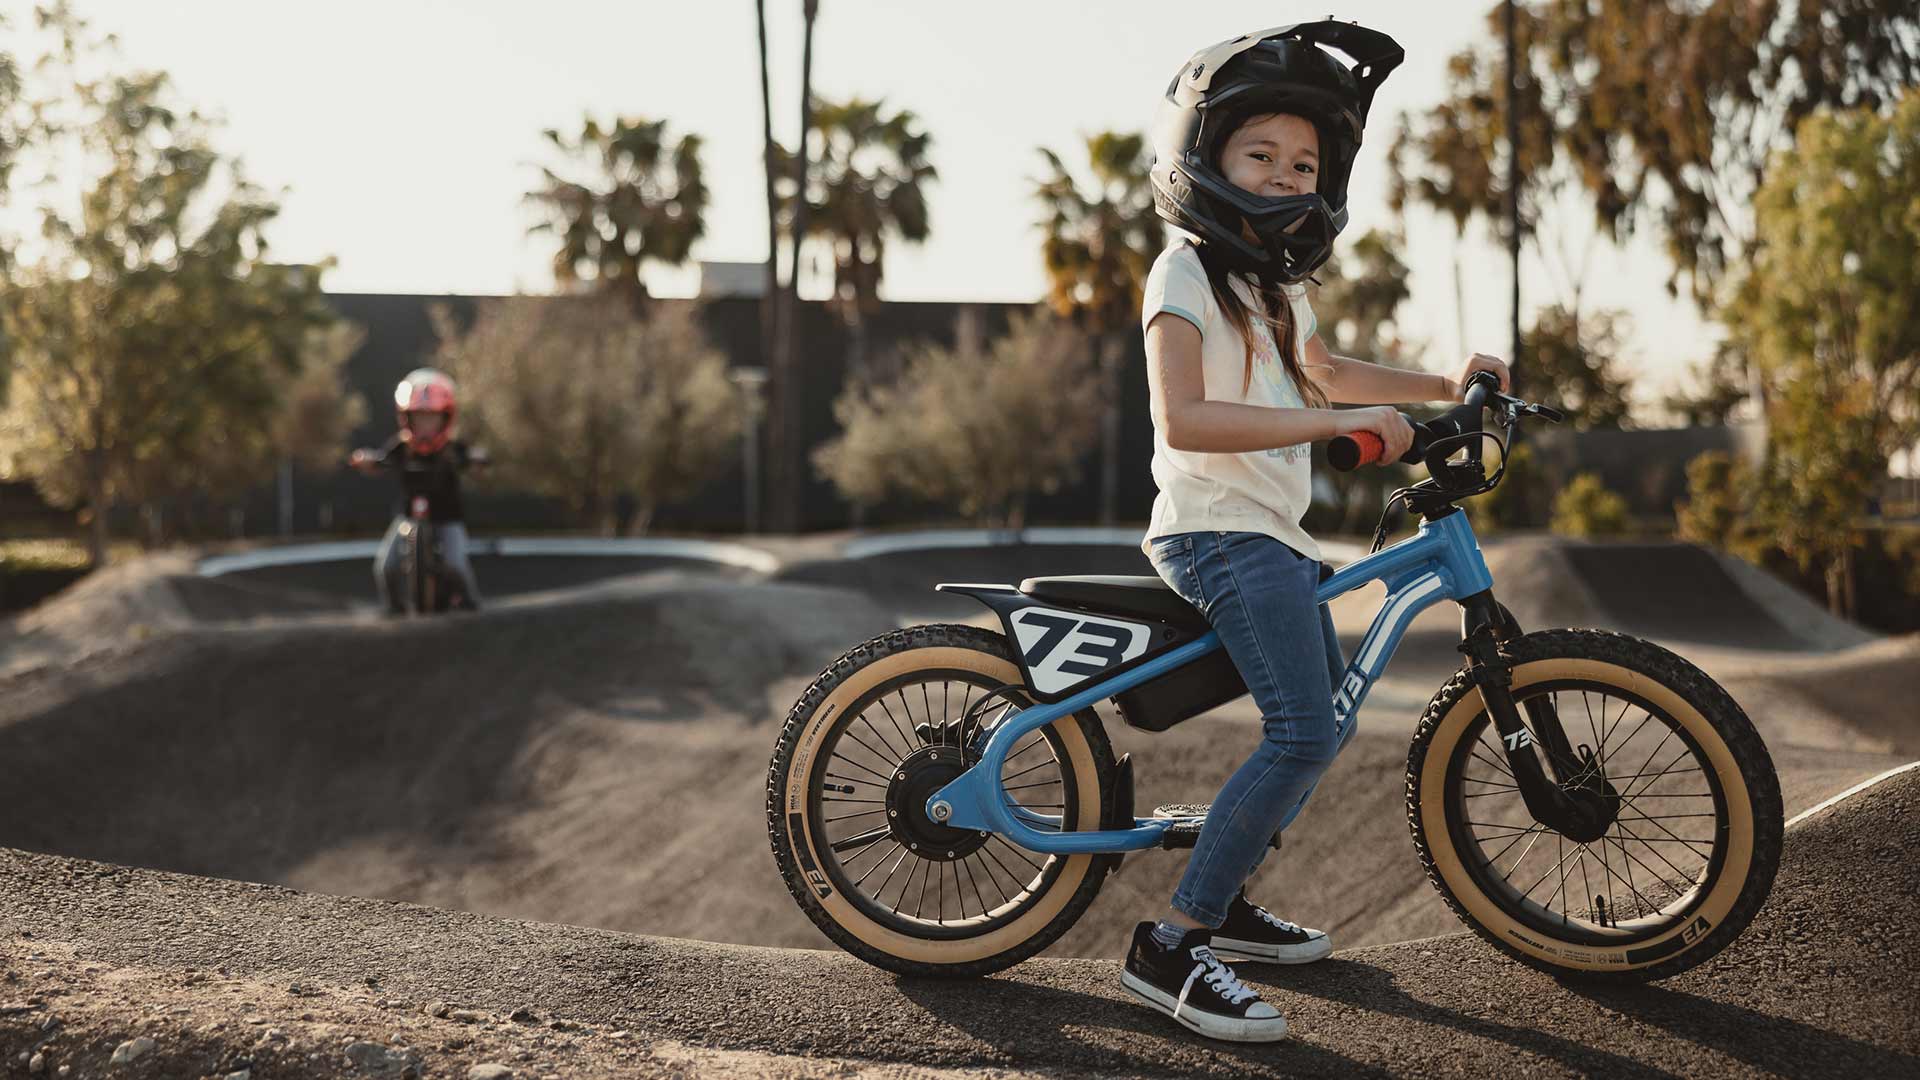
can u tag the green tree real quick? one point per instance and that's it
(12, 134)
(319, 411)
(1664, 112)
(1718, 509)
(150, 338)
(630, 196)
(1586, 507)
(1358, 303)
(980, 428)
(866, 185)
(1100, 243)
(1720, 387)
(1570, 363)
(1834, 288)
(581, 399)
(1822, 464)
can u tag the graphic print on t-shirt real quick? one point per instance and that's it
(1280, 389)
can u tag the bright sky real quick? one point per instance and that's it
(401, 133)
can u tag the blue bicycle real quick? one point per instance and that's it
(943, 800)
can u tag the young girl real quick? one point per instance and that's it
(1253, 148)
(425, 408)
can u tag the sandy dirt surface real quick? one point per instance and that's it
(596, 754)
(193, 977)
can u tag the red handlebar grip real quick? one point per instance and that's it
(1347, 452)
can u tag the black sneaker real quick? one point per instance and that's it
(1251, 932)
(1190, 984)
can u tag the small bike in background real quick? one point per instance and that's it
(428, 585)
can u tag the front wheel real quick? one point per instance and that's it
(879, 732)
(1694, 832)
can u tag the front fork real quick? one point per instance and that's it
(1576, 800)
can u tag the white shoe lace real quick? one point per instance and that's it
(1217, 975)
(1275, 920)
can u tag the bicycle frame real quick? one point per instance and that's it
(1441, 561)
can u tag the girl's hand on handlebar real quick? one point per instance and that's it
(1457, 382)
(1386, 423)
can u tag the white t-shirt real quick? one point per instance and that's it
(1264, 491)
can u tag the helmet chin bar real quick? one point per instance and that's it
(1293, 235)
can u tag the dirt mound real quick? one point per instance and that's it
(351, 580)
(133, 601)
(1863, 698)
(1822, 984)
(598, 756)
(542, 758)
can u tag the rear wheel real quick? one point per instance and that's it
(1694, 832)
(877, 733)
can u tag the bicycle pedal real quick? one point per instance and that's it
(1185, 832)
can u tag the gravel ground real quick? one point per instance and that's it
(97, 957)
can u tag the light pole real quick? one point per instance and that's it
(1513, 175)
(751, 382)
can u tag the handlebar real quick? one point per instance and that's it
(1348, 452)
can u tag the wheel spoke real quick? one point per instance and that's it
(967, 865)
(863, 743)
(845, 817)
(1038, 740)
(858, 840)
(901, 693)
(1021, 855)
(1586, 885)
(1497, 765)
(1508, 876)
(1657, 854)
(895, 721)
(1522, 836)
(1043, 783)
(1019, 886)
(1636, 730)
(883, 780)
(851, 779)
(1023, 772)
(1629, 868)
(897, 846)
(1678, 839)
(920, 905)
(1559, 843)
(1657, 775)
(1630, 861)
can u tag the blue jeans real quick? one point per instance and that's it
(389, 573)
(1258, 594)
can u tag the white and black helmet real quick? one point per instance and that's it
(1325, 71)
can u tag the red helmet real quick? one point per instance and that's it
(424, 390)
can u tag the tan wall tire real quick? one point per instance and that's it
(1080, 744)
(1749, 840)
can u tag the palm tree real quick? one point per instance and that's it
(1098, 250)
(639, 201)
(867, 185)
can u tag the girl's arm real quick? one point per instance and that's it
(1192, 423)
(1356, 382)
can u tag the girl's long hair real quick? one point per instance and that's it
(1276, 311)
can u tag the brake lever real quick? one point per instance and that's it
(1552, 414)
